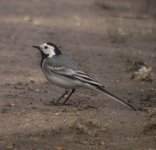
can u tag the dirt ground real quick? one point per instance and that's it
(108, 40)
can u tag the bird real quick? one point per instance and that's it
(62, 71)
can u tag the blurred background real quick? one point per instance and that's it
(112, 40)
(91, 26)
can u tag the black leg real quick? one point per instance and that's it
(62, 96)
(73, 90)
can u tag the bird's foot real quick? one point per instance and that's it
(51, 103)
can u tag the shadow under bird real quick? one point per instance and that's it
(63, 72)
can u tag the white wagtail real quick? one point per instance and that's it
(63, 72)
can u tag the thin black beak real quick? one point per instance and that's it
(36, 47)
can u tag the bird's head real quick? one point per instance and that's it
(48, 49)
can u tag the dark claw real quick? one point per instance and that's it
(51, 103)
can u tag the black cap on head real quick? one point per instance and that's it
(57, 50)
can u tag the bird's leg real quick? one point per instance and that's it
(73, 90)
(62, 96)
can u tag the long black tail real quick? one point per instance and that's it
(117, 99)
(92, 84)
(103, 90)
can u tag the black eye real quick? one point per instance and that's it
(45, 47)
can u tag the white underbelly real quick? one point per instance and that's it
(63, 82)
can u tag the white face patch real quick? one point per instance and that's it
(47, 49)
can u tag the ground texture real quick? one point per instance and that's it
(109, 41)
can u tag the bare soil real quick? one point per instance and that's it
(107, 40)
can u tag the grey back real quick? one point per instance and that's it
(62, 61)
